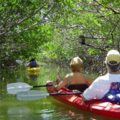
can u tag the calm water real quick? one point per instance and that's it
(46, 108)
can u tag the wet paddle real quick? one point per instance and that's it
(36, 95)
(21, 62)
(14, 88)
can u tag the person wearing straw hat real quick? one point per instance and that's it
(103, 84)
(75, 80)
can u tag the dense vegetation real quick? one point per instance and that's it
(58, 30)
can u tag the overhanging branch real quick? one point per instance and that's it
(30, 27)
(20, 21)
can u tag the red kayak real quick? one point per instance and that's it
(94, 106)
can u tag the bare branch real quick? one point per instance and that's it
(89, 45)
(33, 24)
(113, 29)
(24, 19)
(115, 12)
(106, 17)
(95, 47)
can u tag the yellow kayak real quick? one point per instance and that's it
(33, 70)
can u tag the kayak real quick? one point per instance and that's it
(33, 70)
(94, 106)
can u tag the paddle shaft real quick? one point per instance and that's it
(41, 86)
(36, 95)
(53, 94)
(30, 87)
(13, 88)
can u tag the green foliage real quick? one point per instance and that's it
(93, 51)
(21, 24)
(54, 28)
(93, 19)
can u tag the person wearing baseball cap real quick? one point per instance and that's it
(113, 60)
(103, 84)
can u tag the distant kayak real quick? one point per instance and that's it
(94, 106)
(33, 70)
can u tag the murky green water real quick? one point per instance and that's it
(46, 108)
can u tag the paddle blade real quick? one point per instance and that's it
(31, 95)
(19, 62)
(14, 88)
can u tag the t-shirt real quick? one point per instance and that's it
(101, 86)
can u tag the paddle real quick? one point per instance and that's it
(36, 95)
(21, 62)
(14, 88)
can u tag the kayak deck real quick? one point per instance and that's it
(34, 70)
(94, 106)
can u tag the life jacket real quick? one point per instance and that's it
(33, 64)
(113, 95)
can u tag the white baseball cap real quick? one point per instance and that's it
(113, 55)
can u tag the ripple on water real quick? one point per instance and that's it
(45, 111)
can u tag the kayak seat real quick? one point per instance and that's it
(80, 87)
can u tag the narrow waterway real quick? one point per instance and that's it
(46, 108)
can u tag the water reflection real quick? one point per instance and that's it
(32, 77)
(18, 110)
(26, 110)
(19, 79)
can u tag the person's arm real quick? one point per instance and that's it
(83, 98)
(29, 65)
(91, 92)
(89, 81)
(37, 65)
(58, 80)
(61, 84)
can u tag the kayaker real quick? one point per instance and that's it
(75, 80)
(32, 63)
(104, 84)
